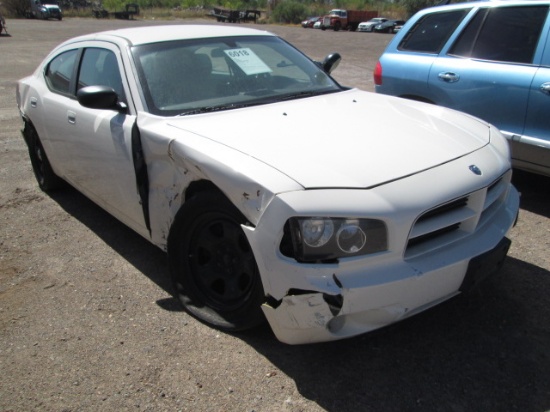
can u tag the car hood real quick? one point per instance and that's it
(351, 139)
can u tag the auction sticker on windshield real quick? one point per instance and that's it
(248, 61)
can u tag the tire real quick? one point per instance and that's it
(337, 26)
(213, 269)
(45, 176)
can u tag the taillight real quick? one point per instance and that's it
(378, 74)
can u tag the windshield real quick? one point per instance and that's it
(195, 76)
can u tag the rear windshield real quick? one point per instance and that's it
(431, 32)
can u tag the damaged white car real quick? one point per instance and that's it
(199, 139)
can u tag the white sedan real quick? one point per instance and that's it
(369, 25)
(199, 139)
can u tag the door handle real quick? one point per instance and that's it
(71, 117)
(545, 88)
(449, 77)
(34, 102)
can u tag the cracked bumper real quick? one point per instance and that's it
(323, 302)
(309, 317)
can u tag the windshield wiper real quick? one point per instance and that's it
(306, 93)
(209, 109)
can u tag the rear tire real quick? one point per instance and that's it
(215, 275)
(45, 176)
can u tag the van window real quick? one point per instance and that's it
(431, 32)
(506, 34)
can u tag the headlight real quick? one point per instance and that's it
(327, 239)
(316, 232)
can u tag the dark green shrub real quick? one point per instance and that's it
(289, 12)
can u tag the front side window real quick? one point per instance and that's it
(99, 67)
(194, 76)
(431, 32)
(59, 72)
(506, 34)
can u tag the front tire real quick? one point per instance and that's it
(212, 265)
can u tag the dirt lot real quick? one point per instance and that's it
(87, 321)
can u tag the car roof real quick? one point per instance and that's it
(155, 34)
(490, 3)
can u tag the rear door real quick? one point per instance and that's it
(94, 146)
(489, 70)
(536, 135)
(406, 68)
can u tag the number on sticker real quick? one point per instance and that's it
(237, 53)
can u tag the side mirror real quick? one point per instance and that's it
(100, 97)
(331, 62)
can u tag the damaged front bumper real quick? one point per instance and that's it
(315, 302)
(308, 317)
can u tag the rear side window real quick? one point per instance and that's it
(432, 31)
(59, 72)
(506, 34)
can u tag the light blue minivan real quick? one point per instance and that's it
(488, 59)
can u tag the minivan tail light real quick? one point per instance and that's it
(378, 74)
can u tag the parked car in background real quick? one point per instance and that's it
(170, 129)
(388, 26)
(488, 59)
(43, 9)
(397, 27)
(318, 24)
(309, 22)
(369, 25)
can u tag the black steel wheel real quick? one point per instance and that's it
(45, 176)
(213, 267)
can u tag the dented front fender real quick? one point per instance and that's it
(175, 158)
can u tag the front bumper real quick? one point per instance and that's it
(313, 317)
(328, 301)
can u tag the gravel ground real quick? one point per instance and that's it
(87, 320)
